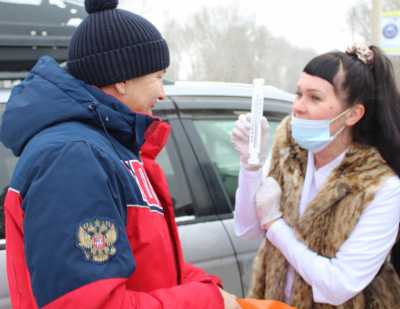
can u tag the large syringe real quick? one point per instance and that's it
(257, 107)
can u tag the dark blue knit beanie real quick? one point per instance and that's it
(113, 45)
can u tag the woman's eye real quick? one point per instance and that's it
(315, 98)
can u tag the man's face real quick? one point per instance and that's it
(142, 93)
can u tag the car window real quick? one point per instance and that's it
(216, 137)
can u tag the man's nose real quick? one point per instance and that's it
(162, 94)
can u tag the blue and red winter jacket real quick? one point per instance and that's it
(89, 219)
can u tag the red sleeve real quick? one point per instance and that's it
(112, 293)
(192, 273)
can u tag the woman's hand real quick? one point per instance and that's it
(268, 197)
(240, 140)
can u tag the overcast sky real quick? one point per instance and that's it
(319, 24)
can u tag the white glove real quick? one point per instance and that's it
(268, 198)
(230, 300)
(240, 140)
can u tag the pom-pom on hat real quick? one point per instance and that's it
(113, 45)
(96, 6)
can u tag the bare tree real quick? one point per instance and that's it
(220, 44)
(174, 36)
(142, 7)
(359, 21)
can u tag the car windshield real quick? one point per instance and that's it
(41, 27)
(41, 12)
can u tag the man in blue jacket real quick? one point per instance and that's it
(89, 219)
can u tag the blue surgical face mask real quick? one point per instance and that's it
(314, 135)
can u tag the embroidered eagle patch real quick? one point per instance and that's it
(97, 238)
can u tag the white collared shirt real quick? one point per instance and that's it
(333, 280)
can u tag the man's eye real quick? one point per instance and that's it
(315, 98)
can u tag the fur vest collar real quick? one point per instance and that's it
(326, 223)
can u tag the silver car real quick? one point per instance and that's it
(202, 167)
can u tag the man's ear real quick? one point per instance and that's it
(356, 113)
(120, 88)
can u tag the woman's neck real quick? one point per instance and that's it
(333, 150)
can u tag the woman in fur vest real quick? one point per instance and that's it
(329, 209)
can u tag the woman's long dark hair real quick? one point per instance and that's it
(372, 85)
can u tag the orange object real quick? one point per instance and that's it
(250, 303)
